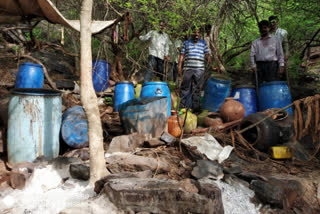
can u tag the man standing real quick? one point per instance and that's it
(174, 50)
(267, 55)
(158, 51)
(282, 34)
(193, 52)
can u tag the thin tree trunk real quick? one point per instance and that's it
(89, 98)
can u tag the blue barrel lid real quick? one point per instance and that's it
(154, 83)
(31, 64)
(221, 81)
(35, 92)
(124, 82)
(273, 83)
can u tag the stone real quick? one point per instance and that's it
(232, 170)
(154, 142)
(162, 196)
(98, 186)
(276, 192)
(127, 143)
(79, 171)
(17, 180)
(168, 138)
(206, 168)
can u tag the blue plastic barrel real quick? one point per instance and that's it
(157, 89)
(33, 124)
(246, 95)
(215, 92)
(100, 75)
(74, 128)
(123, 92)
(29, 76)
(274, 94)
(144, 115)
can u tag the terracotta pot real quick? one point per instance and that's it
(232, 110)
(174, 124)
(213, 120)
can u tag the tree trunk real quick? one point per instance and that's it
(89, 98)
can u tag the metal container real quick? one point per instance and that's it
(157, 89)
(30, 75)
(123, 92)
(274, 94)
(145, 115)
(33, 124)
(74, 128)
(100, 75)
(215, 92)
(246, 95)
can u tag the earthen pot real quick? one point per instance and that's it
(213, 120)
(232, 110)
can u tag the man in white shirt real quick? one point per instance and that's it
(282, 34)
(158, 51)
(267, 55)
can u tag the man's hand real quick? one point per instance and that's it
(254, 70)
(281, 69)
(137, 35)
(213, 68)
(166, 58)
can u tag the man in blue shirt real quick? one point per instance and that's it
(193, 54)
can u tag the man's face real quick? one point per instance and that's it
(264, 30)
(161, 26)
(196, 35)
(274, 24)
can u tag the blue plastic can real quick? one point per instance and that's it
(30, 75)
(33, 124)
(157, 89)
(246, 95)
(123, 92)
(274, 94)
(215, 92)
(100, 75)
(74, 128)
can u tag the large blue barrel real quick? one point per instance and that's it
(34, 124)
(157, 89)
(144, 115)
(123, 92)
(100, 75)
(29, 76)
(74, 128)
(215, 92)
(246, 95)
(274, 94)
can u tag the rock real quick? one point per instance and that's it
(162, 196)
(233, 170)
(82, 153)
(276, 192)
(188, 185)
(17, 180)
(127, 143)
(206, 168)
(98, 186)
(168, 138)
(154, 142)
(80, 171)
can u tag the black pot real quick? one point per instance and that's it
(264, 135)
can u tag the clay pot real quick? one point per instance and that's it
(232, 110)
(213, 120)
(174, 124)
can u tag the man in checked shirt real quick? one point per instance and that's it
(267, 55)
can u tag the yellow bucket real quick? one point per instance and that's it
(281, 152)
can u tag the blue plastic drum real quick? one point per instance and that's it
(74, 128)
(246, 95)
(274, 94)
(29, 76)
(123, 92)
(100, 75)
(34, 124)
(215, 92)
(157, 89)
